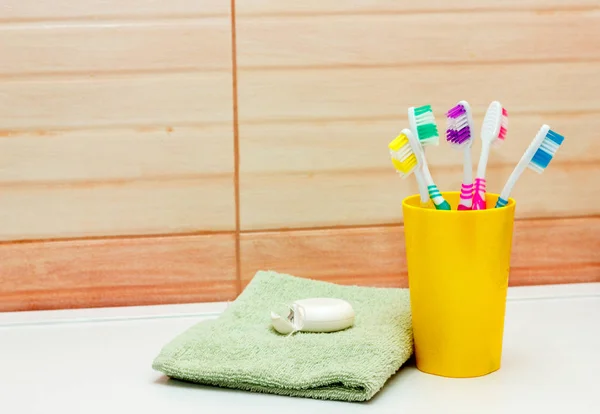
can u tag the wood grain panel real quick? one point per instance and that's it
(117, 208)
(311, 7)
(364, 256)
(339, 173)
(115, 154)
(300, 94)
(86, 102)
(399, 39)
(11, 10)
(300, 200)
(362, 144)
(556, 251)
(544, 252)
(117, 272)
(131, 46)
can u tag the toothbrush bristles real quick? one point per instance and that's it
(546, 151)
(402, 155)
(457, 111)
(426, 129)
(503, 125)
(458, 131)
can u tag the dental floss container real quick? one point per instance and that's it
(315, 315)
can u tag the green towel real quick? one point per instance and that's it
(241, 350)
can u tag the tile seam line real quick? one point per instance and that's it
(236, 147)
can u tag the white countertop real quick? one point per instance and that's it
(99, 361)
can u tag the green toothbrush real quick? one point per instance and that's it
(422, 124)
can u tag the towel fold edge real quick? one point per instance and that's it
(326, 392)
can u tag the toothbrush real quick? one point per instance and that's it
(493, 131)
(459, 135)
(537, 157)
(422, 125)
(406, 160)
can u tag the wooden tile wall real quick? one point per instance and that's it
(159, 152)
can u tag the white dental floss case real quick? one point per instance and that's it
(315, 315)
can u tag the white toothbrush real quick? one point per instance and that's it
(493, 131)
(537, 157)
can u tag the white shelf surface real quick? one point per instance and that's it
(99, 361)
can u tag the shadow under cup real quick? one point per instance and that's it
(458, 266)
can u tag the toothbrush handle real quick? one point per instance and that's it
(479, 196)
(501, 202)
(437, 198)
(434, 193)
(466, 197)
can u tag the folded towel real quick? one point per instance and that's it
(241, 350)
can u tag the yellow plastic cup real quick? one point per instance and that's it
(458, 265)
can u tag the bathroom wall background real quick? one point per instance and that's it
(163, 152)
